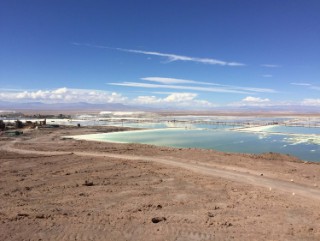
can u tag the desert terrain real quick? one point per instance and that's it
(57, 188)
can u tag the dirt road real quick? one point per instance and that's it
(242, 176)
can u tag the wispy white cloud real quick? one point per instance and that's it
(63, 95)
(253, 89)
(170, 81)
(301, 84)
(174, 99)
(217, 88)
(307, 85)
(180, 87)
(169, 57)
(175, 57)
(270, 65)
(251, 99)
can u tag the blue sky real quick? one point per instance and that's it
(181, 53)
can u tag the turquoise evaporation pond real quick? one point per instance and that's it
(221, 140)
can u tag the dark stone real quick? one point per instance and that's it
(158, 219)
(88, 183)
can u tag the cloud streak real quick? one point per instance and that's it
(301, 84)
(270, 65)
(222, 89)
(165, 80)
(173, 83)
(170, 57)
(180, 87)
(309, 86)
(169, 81)
(175, 57)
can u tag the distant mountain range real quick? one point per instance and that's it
(83, 107)
(278, 109)
(79, 106)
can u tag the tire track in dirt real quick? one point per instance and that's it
(237, 176)
(289, 187)
(176, 231)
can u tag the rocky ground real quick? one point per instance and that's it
(53, 188)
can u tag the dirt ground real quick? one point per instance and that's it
(55, 188)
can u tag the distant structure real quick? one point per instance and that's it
(43, 123)
(2, 125)
(18, 124)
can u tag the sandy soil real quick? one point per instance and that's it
(54, 188)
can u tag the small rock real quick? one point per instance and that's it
(159, 206)
(210, 214)
(261, 174)
(23, 215)
(158, 219)
(41, 216)
(227, 224)
(88, 183)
